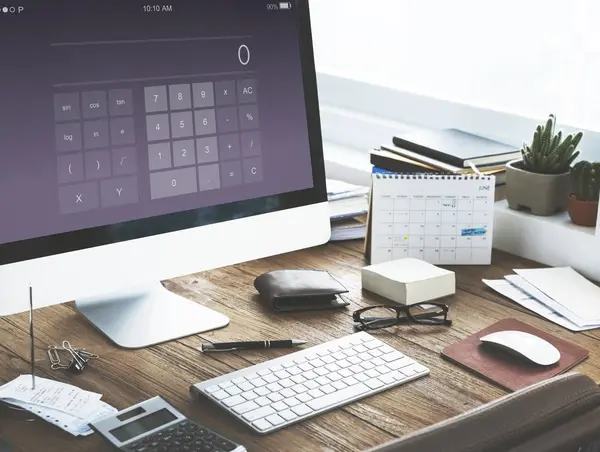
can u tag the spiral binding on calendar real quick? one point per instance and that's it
(432, 176)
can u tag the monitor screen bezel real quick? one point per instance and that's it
(39, 247)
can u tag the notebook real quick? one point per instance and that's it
(510, 372)
(441, 219)
(457, 147)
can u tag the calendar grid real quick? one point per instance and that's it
(440, 221)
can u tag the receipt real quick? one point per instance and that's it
(51, 394)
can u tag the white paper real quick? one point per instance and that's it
(51, 394)
(516, 294)
(569, 289)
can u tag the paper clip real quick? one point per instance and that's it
(78, 363)
(55, 363)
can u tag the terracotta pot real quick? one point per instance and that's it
(540, 194)
(583, 213)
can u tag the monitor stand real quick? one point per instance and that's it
(148, 316)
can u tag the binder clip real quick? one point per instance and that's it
(77, 361)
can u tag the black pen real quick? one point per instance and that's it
(252, 345)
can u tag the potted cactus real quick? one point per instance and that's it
(539, 181)
(583, 202)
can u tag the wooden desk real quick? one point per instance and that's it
(127, 377)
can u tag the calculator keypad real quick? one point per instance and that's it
(199, 136)
(186, 436)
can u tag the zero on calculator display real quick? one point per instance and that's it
(143, 425)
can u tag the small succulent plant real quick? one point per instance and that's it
(585, 177)
(548, 153)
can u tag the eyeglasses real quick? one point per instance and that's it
(385, 316)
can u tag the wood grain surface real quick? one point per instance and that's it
(127, 377)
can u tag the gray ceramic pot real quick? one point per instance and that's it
(540, 194)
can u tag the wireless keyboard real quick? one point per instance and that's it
(286, 390)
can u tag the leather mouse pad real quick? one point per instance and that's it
(508, 371)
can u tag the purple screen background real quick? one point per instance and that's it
(32, 71)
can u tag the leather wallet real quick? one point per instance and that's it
(300, 290)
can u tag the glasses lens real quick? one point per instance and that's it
(380, 317)
(427, 313)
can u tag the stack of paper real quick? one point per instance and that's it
(346, 202)
(63, 405)
(559, 294)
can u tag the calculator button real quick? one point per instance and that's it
(205, 122)
(122, 131)
(227, 120)
(155, 98)
(120, 102)
(209, 177)
(97, 164)
(247, 91)
(157, 127)
(225, 92)
(124, 161)
(251, 145)
(229, 147)
(180, 97)
(173, 183)
(207, 149)
(159, 156)
(95, 134)
(203, 94)
(184, 153)
(66, 106)
(253, 173)
(70, 168)
(68, 137)
(119, 191)
(182, 124)
(248, 117)
(78, 197)
(231, 173)
(94, 104)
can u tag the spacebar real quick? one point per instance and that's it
(338, 396)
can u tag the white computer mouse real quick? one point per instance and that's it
(526, 345)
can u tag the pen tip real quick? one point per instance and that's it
(299, 342)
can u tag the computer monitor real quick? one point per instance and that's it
(145, 141)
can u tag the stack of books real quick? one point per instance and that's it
(348, 204)
(445, 151)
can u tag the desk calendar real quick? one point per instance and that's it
(442, 219)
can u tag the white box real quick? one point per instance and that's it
(408, 281)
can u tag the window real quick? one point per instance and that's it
(527, 58)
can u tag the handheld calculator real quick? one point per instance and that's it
(155, 426)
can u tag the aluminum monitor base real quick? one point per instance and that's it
(148, 316)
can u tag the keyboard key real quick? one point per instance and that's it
(327, 389)
(360, 349)
(276, 368)
(270, 378)
(262, 391)
(356, 369)
(245, 407)
(220, 395)
(294, 370)
(373, 345)
(275, 419)
(262, 425)
(311, 356)
(350, 381)
(292, 401)
(298, 379)
(262, 401)
(323, 352)
(245, 386)
(328, 359)
(316, 393)
(274, 387)
(301, 410)
(305, 366)
(279, 406)
(259, 413)
(287, 392)
(264, 372)
(398, 375)
(282, 374)
(400, 363)
(346, 373)
(338, 385)
(344, 363)
(409, 371)
(288, 365)
(288, 415)
(334, 349)
(227, 384)
(323, 380)
(250, 395)
(374, 383)
(387, 378)
(233, 401)
(275, 397)
(211, 389)
(393, 356)
(234, 390)
(419, 368)
(365, 357)
(378, 362)
(299, 389)
(251, 377)
(310, 375)
(258, 382)
(338, 397)
(332, 367)
(311, 384)
(350, 352)
(304, 397)
(345, 345)
(367, 365)
(375, 353)
(321, 371)
(372, 373)
(316, 363)
(339, 355)
(300, 360)
(335, 376)
(287, 383)
(239, 380)
(387, 349)
(361, 377)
